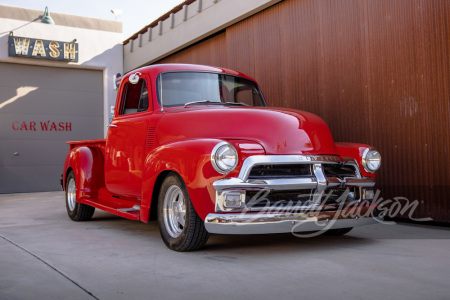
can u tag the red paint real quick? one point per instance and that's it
(52, 126)
(123, 169)
(44, 126)
(23, 126)
(278, 130)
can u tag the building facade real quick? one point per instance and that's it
(56, 84)
(378, 72)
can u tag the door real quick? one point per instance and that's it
(126, 139)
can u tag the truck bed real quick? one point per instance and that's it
(101, 143)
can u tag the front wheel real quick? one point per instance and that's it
(76, 211)
(180, 227)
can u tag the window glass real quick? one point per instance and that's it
(243, 94)
(135, 97)
(143, 101)
(181, 88)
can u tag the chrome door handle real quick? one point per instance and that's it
(111, 125)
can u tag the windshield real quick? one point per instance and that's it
(190, 88)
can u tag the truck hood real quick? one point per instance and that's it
(278, 130)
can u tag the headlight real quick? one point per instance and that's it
(224, 158)
(371, 160)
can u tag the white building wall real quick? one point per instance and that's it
(98, 49)
(214, 15)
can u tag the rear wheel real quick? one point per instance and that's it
(76, 211)
(180, 227)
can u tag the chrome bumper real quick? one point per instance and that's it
(317, 181)
(273, 223)
(315, 216)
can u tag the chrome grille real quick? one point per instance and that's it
(280, 171)
(260, 199)
(335, 196)
(339, 170)
(293, 181)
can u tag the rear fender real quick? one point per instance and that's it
(87, 164)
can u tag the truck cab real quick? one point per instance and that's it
(197, 148)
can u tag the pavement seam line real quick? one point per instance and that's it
(50, 266)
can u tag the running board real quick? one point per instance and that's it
(119, 209)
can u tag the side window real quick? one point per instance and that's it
(135, 98)
(243, 94)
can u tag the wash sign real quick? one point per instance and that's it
(42, 49)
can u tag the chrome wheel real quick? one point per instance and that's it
(71, 194)
(174, 211)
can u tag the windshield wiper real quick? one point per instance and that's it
(215, 102)
(201, 101)
(236, 103)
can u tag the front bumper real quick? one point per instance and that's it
(284, 223)
(238, 209)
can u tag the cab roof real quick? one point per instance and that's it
(161, 68)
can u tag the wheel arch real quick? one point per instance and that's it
(156, 190)
(87, 163)
(68, 170)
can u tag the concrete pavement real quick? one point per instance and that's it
(45, 255)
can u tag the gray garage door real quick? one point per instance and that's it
(40, 109)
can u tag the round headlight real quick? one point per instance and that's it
(371, 160)
(224, 158)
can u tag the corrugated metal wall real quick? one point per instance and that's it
(377, 71)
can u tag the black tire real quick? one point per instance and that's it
(189, 236)
(337, 232)
(76, 211)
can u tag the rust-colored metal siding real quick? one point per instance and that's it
(377, 71)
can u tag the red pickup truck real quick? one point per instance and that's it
(196, 148)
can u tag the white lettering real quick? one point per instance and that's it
(39, 49)
(21, 46)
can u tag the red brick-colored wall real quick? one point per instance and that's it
(377, 71)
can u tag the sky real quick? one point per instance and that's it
(135, 13)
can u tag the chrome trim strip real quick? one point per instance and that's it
(321, 183)
(272, 184)
(350, 182)
(271, 223)
(357, 182)
(352, 161)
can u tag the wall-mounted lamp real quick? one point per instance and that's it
(117, 13)
(45, 18)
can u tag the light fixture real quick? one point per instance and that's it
(45, 18)
(371, 160)
(117, 13)
(224, 158)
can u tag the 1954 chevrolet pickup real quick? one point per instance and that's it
(196, 148)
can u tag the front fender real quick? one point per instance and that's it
(191, 160)
(87, 164)
(354, 151)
